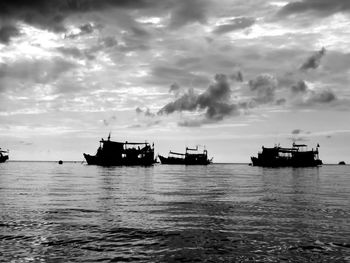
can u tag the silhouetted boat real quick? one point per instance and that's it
(342, 163)
(4, 156)
(297, 156)
(187, 158)
(112, 153)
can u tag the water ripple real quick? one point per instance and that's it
(219, 213)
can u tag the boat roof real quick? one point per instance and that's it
(192, 149)
(125, 143)
(299, 145)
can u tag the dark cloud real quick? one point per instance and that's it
(238, 76)
(301, 91)
(51, 14)
(174, 88)
(319, 8)
(84, 30)
(139, 32)
(87, 28)
(314, 61)
(187, 102)
(190, 123)
(217, 111)
(146, 112)
(43, 7)
(138, 110)
(281, 101)
(109, 42)
(6, 32)
(264, 87)
(300, 87)
(296, 131)
(324, 96)
(215, 101)
(195, 122)
(188, 11)
(234, 24)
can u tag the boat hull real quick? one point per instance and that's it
(185, 161)
(3, 159)
(171, 160)
(95, 160)
(281, 162)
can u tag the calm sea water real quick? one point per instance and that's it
(219, 213)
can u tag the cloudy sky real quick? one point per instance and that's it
(232, 75)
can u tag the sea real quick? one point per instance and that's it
(217, 213)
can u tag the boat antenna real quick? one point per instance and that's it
(109, 136)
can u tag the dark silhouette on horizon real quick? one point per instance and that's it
(112, 153)
(297, 156)
(4, 155)
(186, 158)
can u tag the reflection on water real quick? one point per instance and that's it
(216, 213)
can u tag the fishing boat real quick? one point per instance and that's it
(190, 157)
(296, 156)
(4, 155)
(111, 153)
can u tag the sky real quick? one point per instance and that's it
(230, 75)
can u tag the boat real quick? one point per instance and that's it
(342, 163)
(297, 156)
(4, 155)
(111, 153)
(188, 158)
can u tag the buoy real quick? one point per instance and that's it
(60, 162)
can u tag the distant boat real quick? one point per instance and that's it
(342, 163)
(4, 156)
(112, 153)
(297, 156)
(186, 158)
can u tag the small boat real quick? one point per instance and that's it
(4, 155)
(187, 158)
(297, 156)
(111, 153)
(342, 163)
